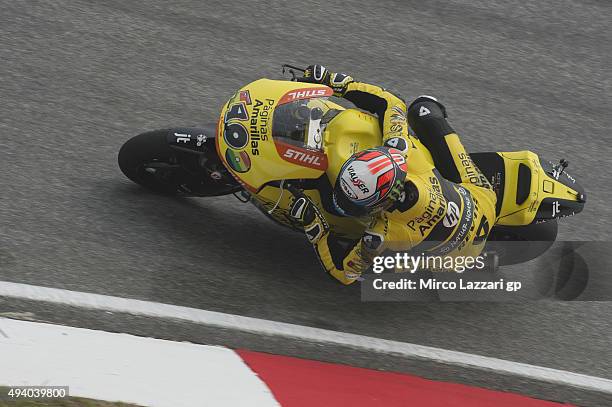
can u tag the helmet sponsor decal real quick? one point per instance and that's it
(239, 161)
(236, 136)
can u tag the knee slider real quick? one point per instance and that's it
(427, 117)
(427, 105)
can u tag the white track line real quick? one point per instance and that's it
(323, 336)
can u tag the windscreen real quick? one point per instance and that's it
(299, 123)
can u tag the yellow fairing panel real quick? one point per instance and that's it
(541, 186)
(349, 132)
(244, 132)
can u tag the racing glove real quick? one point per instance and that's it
(308, 214)
(319, 74)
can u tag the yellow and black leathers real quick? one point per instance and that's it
(390, 109)
(447, 209)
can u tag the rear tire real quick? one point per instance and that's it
(519, 244)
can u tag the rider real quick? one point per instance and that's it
(445, 209)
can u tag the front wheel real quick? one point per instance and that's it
(158, 161)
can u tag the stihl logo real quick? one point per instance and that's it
(303, 157)
(305, 93)
(302, 94)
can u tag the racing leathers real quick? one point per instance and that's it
(445, 209)
(389, 108)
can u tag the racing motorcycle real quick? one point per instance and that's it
(272, 132)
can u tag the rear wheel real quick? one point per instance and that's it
(149, 160)
(519, 244)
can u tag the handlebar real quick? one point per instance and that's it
(292, 70)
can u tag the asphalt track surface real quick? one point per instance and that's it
(78, 78)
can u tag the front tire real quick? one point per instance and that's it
(150, 160)
(143, 149)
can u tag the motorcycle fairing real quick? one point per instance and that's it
(529, 189)
(244, 139)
